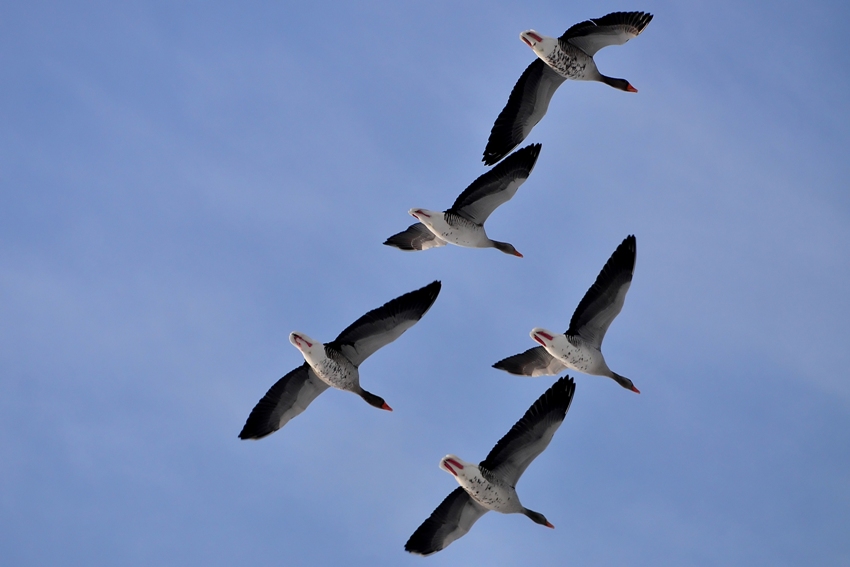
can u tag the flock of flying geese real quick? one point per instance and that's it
(489, 485)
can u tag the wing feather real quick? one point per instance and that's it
(531, 435)
(497, 186)
(534, 362)
(450, 521)
(604, 300)
(527, 105)
(614, 29)
(416, 237)
(287, 398)
(385, 324)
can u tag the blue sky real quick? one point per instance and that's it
(183, 185)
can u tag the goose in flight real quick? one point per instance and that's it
(337, 363)
(463, 223)
(580, 347)
(567, 57)
(490, 484)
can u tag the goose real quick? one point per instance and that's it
(580, 347)
(567, 57)
(490, 484)
(463, 223)
(336, 364)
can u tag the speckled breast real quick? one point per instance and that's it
(490, 493)
(575, 354)
(462, 231)
(336, 370)
(570, 62)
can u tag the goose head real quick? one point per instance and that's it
(506, 248)
(620, 84)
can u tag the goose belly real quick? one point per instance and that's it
(335, 371)
(459, 231)
(492, 495)
(571, 64)
(577, 357)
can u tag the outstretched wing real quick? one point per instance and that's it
(527, 104)
(531, 435)
(287, 398)
(385, 324)
(497, 186)
(534, 362)
(604, 300)
(450, 521)
(416, 237)
(614, 29)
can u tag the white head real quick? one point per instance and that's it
(453, 464)
(543, 336)
(541, 44)
(305, 344)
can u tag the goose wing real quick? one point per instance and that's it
(450, 521)
(531, 435)
(497, 186)
(385, 324)
(527, 104)
(416, 237)
(614, 29)
(534, 362)
(287, 398)
(604, 300)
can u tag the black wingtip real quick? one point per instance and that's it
(250, 431)
(637, 19)
(416, 550)
(508, 366)
(526, 156)
(424, 297)
(492, 158)
(431, 536)
(257, 425)
(552, 405)
(619, 270)
(421, 542)
(507, 133)
(627, 246)
(529, 152)
(559, 394)
(398, 244)
(513, 364)
(415, 237)
(432, 289)
(641, 20)
(623, 258)
(502, 365)
(565, 383)
(496, 149)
